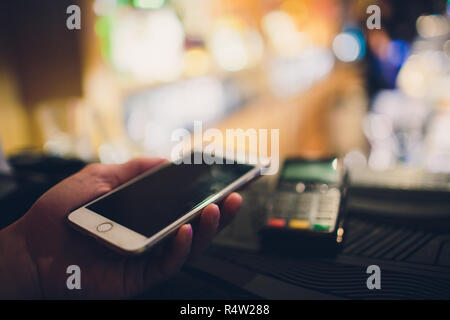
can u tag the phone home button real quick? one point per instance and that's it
(104, 227)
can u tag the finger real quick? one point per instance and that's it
(156, 271)
(181, 248)
(229, 208)
(206, 229)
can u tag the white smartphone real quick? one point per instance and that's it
(140, 213)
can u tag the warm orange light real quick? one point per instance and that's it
(197, 62)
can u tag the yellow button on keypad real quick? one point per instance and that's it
(299, 224)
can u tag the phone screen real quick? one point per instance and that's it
(159, 199)
(322, 171)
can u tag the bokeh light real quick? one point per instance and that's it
(347, 47)
(233, 46)
(150, 47)
(432, 26)
(282, 34)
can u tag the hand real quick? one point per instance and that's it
(38, 248)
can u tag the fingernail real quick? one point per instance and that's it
(189, 230)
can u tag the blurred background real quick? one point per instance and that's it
(138, 69)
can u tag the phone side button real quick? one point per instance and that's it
(104, 227)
